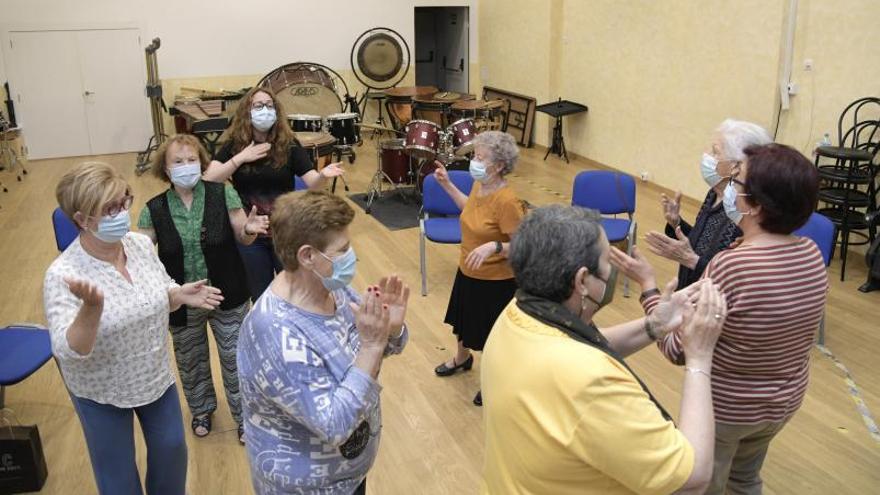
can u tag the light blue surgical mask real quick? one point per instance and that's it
(709, 170)
(729, 201)
(343, 270)
(478, 170)
(113, 228)
(186, 175)
(263, 119)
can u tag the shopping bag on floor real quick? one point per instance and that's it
(22, 464)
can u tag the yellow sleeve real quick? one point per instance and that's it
(622, 433)
(510, 214)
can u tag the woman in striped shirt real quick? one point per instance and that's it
(775, 285)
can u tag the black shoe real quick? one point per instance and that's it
(478, 399)
(444, 370)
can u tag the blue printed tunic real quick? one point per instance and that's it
(304, 401)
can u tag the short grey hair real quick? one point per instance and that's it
(502, 148)
(551, 244)
(737, 135)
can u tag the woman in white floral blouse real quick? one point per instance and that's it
(107, 299)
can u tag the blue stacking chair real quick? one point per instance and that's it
(65, 230)
(820, 230)
(611, 193)
(438, 221)
(299, 184)
(23, 350)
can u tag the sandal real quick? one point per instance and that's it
(201, 422)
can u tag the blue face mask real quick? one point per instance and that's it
(186, 175)
(729, 201)
(343, 270)
(478, 170)
(263, 119)
(113, 229)
(709, 170)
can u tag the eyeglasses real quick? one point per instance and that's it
(113, 209)
(262, 105)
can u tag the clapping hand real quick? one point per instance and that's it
(256, 224)
(441, 174)
(671, 208)
(394, 294)
(372, 319)
(703, 323)
(668, 315)
(88, 293)
(678, 249)
(635, 267)
(200, 295)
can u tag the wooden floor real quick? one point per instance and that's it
(432, 436)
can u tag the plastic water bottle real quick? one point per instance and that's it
(826, 140)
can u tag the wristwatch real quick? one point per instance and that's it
(498, 247)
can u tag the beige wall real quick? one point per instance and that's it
(659, 76)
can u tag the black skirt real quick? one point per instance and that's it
(474, 305)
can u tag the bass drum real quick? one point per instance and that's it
(303, 88)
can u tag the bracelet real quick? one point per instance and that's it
(498, 247)
(234, 163)
(648, 293)
(697, 370)
(650, 330)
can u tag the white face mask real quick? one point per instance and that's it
(186, 175)
(263, 119)
(478, 170)
(709, 170)
(730, 208)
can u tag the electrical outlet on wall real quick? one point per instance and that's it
(645, 176)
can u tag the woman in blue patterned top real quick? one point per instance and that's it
(309, 355)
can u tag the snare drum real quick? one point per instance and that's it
(463, 132)
(318, 144)
(422, 139)
(342, 127)
(303, 122)
(395, 162)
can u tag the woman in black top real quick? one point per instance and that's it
(261, 160)
(693, 246)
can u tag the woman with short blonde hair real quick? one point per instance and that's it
(107, 298)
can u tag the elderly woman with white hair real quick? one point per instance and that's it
(484, 283)
(693, 246)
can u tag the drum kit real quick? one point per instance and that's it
(408, 160)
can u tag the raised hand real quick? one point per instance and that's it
(253, 152)
(476, 257)
(441, 174)
(199, 295)
(671, 208)
(88, 293)
(635, 267)
(256, 224)
(332, 170)
(372, 320)
(394, 294)
(678, 249)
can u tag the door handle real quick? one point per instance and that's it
(88, 93)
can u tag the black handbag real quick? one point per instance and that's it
(22, 463)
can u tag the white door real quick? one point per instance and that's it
(113, 81)
(80, 92)
(45, 82)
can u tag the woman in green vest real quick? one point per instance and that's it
(196, 225)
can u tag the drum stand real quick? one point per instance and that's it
(154, 93)
(339, 151)
(8, 156)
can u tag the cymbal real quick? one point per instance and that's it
(477, 104)
(376, 127)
